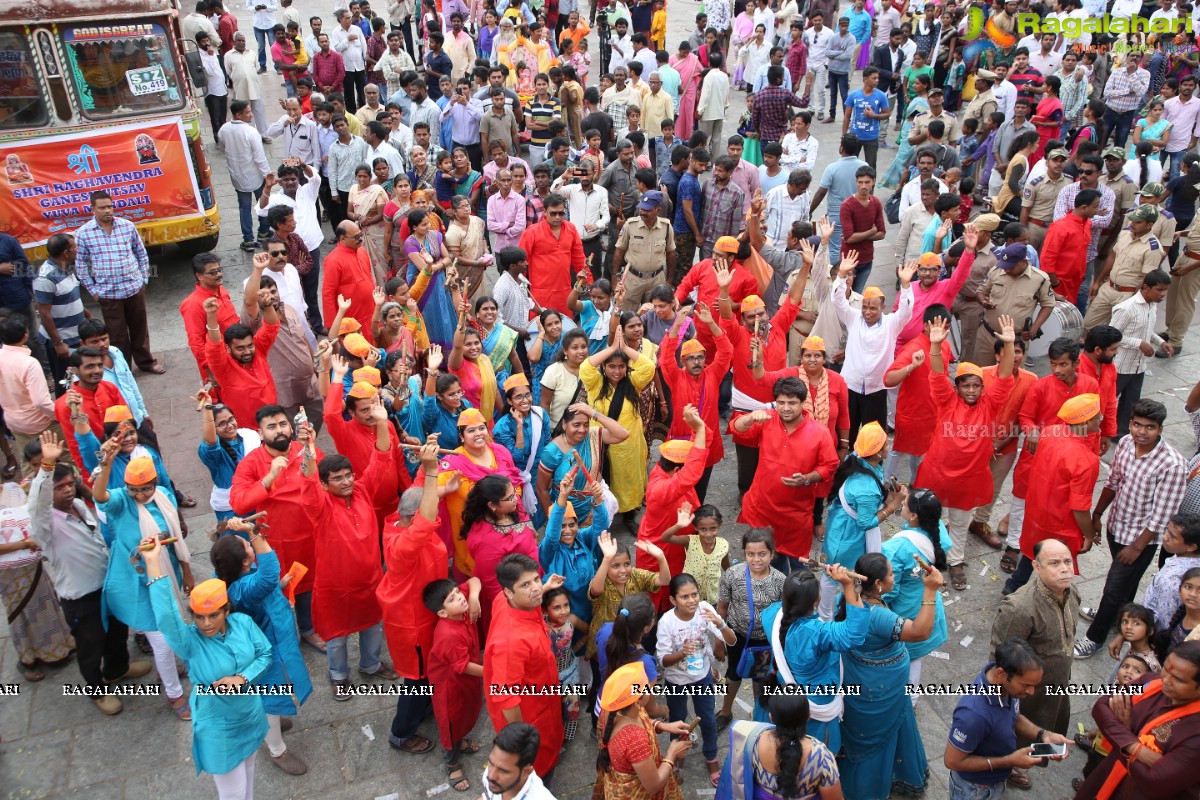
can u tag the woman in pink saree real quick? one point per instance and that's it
(688, 67)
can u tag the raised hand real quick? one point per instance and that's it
(608, 545)
(379, 296)
(691, 416)
(52, 447)
(939, 330)
(378, 413)
(340, 367)
(824, 228)
(760, 416)
(712, 616)
(1008, 331)
(704, 313)
(581, 408)
(261, 261)
(429, 455)
(433, 356)
(724, 275)
(344, 303)
(371, 359)
(211, 306)
(239, 524)
(806, 251)
(970, 236)
(109, 449)
(918, 358)
(906, 273)
(684, 515)
(758, 203)
(649, 548)
(454, 483)
(568, 481)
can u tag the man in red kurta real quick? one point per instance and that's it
(1064, 250)
(703, 278)
(348, 273)
(341, 509)
(1059, 502)
(964, 427)
(697, 383)
(555, 255)
(914, 403)
(673, 482)
(795, 455)
(1100, 347)
(268, 479)
(518, 656)
(415, 556)
(238, 360)
(209, 278)
(355, 437)
(90, 393)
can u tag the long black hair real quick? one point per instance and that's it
(873, 567)
(227, 556)
(490, 489)
(789, 712)
(928, 508)
(852, 464)
(634, 617)
(801, 591)
(1162, 641)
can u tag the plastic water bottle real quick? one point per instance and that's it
(694, 659)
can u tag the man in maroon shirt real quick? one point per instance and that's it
(862, 225)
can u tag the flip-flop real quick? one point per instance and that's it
(469, 746)
(958, 577)
(32, 673)
(714, 772)
(305, 641)
(459, 784)
(156, 369)
(415, 744)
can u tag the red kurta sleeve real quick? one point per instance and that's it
(1108, 400)
(578, 264)
(329, 286)
(690, 281)
(942, 391)
(266, 336)
(1082, 481)
(827, 457)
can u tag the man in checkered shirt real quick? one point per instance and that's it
(1143, 490)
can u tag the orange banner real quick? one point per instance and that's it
(46, 182)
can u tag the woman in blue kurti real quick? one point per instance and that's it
(525, 421)
(811, 646)
(224, 651)
(130, 448)
(571, 551)
(593, 314)
(883, 747)
(576, 437)
(544, 347)
(925, 535)
(858, 501)
(133, 512)
(250, 571)
(222, 447)
(443, 402)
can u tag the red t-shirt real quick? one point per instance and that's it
(856, 218)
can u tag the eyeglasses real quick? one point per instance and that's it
(214, 272)
(277, 252)
(556, 213)
(355, 236)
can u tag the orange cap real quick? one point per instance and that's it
(813, 343)
(356, 345)
(675, 450)
(367, 374)
(469, 417)
(966, 368)
(513, 381)
(349, 325)
(1080, 409)
(691, 347)
(208, 596)
(871, 292)
(727, 244)
(930, 260)
(140, 471)
(751, 302)
(361, 390)
(117, 414)
(870, 440)
(569, 511)
(619, 690)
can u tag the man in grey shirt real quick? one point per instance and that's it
(1005, 135)
(839, 183)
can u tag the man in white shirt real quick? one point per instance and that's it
(350, 44)
(264, 21)
(197, 22)
(247, 164)
(239, 66)
(787, 204)
(926, 164)
(287, 283)
(302, 199)
(587, 206)
(1004, 92)
(621, 45)
(375, 134)
(643, 53)
(870, 343)
(1043, 58)
(216, 96)
(299, 133)
(817, 39)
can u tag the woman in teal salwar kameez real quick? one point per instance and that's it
(925, 535)
(897, 176)
(224, 651)
(812, 648)
(883, 747)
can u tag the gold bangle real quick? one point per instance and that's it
(929, 602)
(669, 761)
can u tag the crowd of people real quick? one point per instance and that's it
(533, 283)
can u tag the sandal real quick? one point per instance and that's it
(317, 645)
(180, 706)
(1019, 779)
(723, 722)
(958, 577)
(415, 744)
(1008, 561)
(187, 502)
(384, 670)
(32, 673)
(156, 368)
(454, 773)
(469, 746)
(714, 772)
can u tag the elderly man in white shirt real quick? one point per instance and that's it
(787, 204)
(243, 74)
(350, 44)
(300, 139)
(247, 162)
(870, 343)
(302, 199)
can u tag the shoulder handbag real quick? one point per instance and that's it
(755, 663)
(891, 209)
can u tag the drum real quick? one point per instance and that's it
(1065, 321)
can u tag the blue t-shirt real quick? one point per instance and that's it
(865, 128)
(689, 189)
(985, 726)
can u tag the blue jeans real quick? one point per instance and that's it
(1176, 163)
(246, 203)
(704, 704)
(370, 641)
(261, 36)
(835, 241)
(1085, 288)
(837, 80)
(787, 564)
(1120, 123)
(862, 273)
(961, 789)
(893, 461)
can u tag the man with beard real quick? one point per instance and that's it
(1043, 613)
(956, 463)
(1100, 347)
(206, 268)
(349, 561)
(1040, 411)
(518, 655)
(268, 479)
(795, 454)
(238, 360)
(510, 769)
(302, 199)
(90, 396)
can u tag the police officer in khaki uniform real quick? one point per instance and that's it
(967, 309)
(1137, 252)
(1185, 286)
(646, 251)
(1016, 289)
(1125, 192)
(1040, 194)
(1153, 194)
(919, 135)
(984, 101)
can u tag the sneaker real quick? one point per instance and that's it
(249, 246)
(137, 669)
(108, 704)
(1087, 612)
(289, 763)
(262, 70)
(341, 689)
(1086, 648)
(264, 235)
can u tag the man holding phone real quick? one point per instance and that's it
(982, 751)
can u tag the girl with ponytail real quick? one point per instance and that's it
(925, 535)
(884, 752)
(1185, 625)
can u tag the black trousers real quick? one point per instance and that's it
(310, 282)
(747, 465)
(702, 484)
(412, 707)
(866, 408)
(1020, 576)
(335, 210)
(354, 86)
(101, 653)
(1129, 391)
(218, 111)
(1120, 587)
(593, 254)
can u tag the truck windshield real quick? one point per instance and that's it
(123, 70)
(21, 103)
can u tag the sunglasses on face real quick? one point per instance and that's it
(277, 252)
